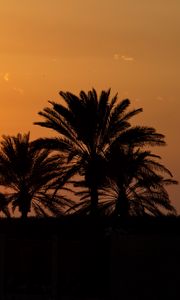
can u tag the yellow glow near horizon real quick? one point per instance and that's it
(131, 46)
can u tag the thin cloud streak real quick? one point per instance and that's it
(117, 56)
(126, 58)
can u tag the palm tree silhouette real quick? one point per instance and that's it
(137, 182)
(88, 126)
(29, 175)
(136, 186)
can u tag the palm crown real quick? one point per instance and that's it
(88, 128)
(136, 185)
(137, 182)
(29, 174)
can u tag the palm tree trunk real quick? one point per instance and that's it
(24, 203)
(122, 207)
(94, 201)
(24, 214)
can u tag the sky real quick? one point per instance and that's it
(132, 47)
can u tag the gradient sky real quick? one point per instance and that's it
(131, 46)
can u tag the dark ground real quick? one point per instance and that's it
(79, 258)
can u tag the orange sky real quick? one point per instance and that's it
(131, 46)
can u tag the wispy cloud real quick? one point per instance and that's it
(118, 56)
(127, 58)
(6, 76)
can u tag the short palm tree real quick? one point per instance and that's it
(28, 174)
(87, 127)
(136, 186)
(138, 183)
(137, 200)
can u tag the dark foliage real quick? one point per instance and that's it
(89, 127)
(29, 176)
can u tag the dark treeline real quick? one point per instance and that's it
(96, 164)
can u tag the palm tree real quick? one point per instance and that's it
(137, 200)
(87, 126)
(137, 183)
(136, 186)
(29, 175)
